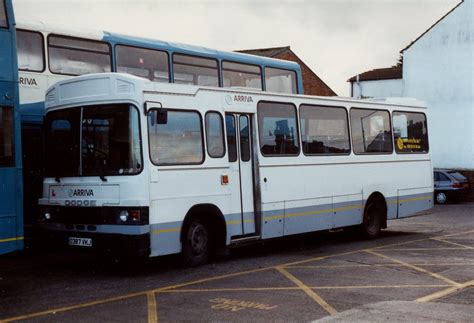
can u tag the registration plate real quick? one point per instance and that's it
(82, 242)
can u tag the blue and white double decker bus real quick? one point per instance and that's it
(11, 207)
(48, 54)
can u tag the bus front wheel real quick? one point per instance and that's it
(374, 214)
(197, 243)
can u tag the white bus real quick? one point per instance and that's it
(154, 169)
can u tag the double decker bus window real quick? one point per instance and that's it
(242, 75)
(3, 15)
(30, 51)
(279, 80)
(147, 63)
(6, 137)
(74, 56)
(195, 70)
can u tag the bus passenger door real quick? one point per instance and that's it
(239, 143)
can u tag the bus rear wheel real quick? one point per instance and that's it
(197, 243)
(374, 215)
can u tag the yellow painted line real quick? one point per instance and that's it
(152, 313)
(274, 217)
(427, 249)
(318, 299)
(435, 275)
(213, 278)
(166, 230)
(453, 243)
(234, 222)
(12, 239)
(240, 222)
(381, 265)
(264, 289)
(445, 292)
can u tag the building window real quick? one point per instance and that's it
(6, 137)
(371, 131)
(30, 51)
(324, 130)
(147, 63)
(241, 75)
(279, 80)
(74, 56)
(179, 141)
(410, 132)
(214, 135)
(278, 130)
(195, 70)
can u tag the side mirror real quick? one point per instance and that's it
(162, 116)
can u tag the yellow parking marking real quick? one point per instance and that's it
(166, 230)
(331, 310)
(266, 289)
(435, 275)
(427, 249)
(382, 265)
(12, 239)
(212, 278)
(453, 243)
(445, 292)
(152, 313)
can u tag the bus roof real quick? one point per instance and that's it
(129, 87)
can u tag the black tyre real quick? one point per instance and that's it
(197, 242)
(374, 216)
(441, 198)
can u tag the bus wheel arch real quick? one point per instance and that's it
(375, 216)
(203, 228)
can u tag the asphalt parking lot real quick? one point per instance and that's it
(426, 259)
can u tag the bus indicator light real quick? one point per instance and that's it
(135, 215)
(224, 179)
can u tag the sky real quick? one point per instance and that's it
(337, 39)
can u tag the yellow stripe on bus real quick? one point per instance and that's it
(12, 239)
(166, 230)
(346, 208)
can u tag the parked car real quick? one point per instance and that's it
(449, 185)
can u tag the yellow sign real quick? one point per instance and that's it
(408, 144)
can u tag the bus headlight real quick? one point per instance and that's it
(47, 215)
(123, 216)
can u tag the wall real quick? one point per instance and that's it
(378, 89)
(438, 69)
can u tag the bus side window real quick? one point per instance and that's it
(371, 131)
(278, 130)
(410, 132)
(215, 135)
(30, 51)
(231, 137)
(179, 141)
(6, 137)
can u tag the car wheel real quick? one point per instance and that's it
(197, 243)
(441, 198)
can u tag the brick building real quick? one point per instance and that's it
(312, 84)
